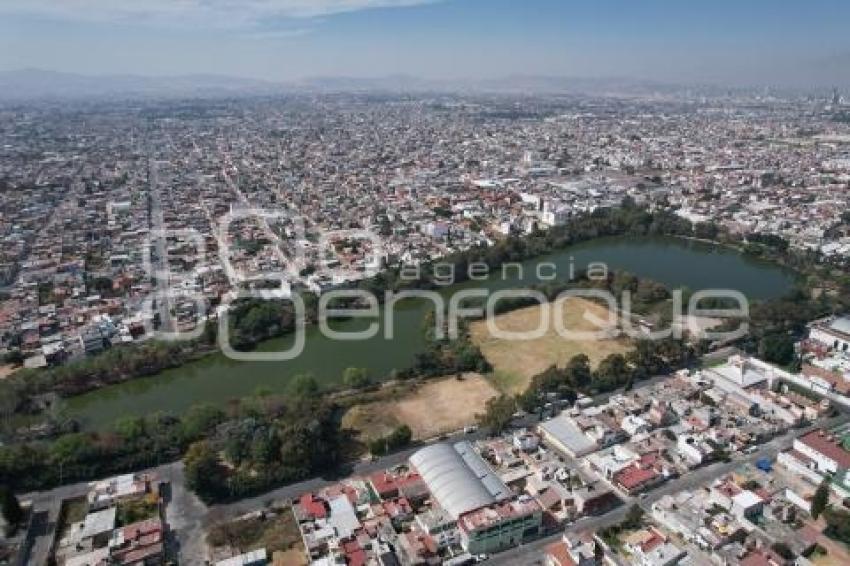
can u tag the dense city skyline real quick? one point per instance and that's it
(424, 282)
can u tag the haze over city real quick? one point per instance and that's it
(753, 43)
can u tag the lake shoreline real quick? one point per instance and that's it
(225, 379)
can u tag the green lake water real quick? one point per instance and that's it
(217, 379)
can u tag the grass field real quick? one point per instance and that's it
(515, 362)
(433, 408)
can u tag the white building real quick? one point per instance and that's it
(833, 332)
(694, 449)
(563, 434)
(825, 451)
(633, 425)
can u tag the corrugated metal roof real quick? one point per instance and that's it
(98, 522)
(841, 324)
(568, 434)
(343, 517)
(458, 478)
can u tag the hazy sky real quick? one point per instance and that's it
(736, 41)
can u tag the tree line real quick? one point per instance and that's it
(248, 447)
(253, 320)
(649, 358)
(266, 441)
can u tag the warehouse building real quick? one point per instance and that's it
(484, 512)
(562, 433)
(458, 478)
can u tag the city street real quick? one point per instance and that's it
(188, 516)
(233, 234)
(159, 263)
(530, 553)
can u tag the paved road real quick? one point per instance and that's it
(198, 514)
(158, 235)
(529, 554)
(43, 525)
(361, 468)
(288, 264)
(188, 516)
(46, 506)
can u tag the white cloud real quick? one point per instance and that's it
(284, 33)
(194, 13)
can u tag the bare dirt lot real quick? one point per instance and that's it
(435, 407)
(7, 369)
(515, 362)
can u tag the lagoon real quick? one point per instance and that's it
(216, 379)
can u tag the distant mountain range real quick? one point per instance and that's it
(512, 83)
(36, 84)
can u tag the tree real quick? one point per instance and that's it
(578, 372)
(304, 386)
(130, 428)
(11, 508)
(820, 499)
(210, 334)
(102, 284)
(498, 413)
(777, 348)
(265, 446)
(612, 372)
(202, 470)
(201, 419)
(530, 400)
(837, 524)
(633, 518)
(71, 448)
(236, 439)
(398, 438)
(356, 378)
(14, 357)
(623, 281)
(783, 550)
(402, 435)
(706, 230)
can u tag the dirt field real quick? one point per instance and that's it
(279, 535)
(515, 362)
(291, 557)
(436, 407)
(6, 370)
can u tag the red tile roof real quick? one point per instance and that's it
(149, 527)
(397, 507)
(386, 484)
(336, 490)
(819, 441)
(756, 558)
(313, 506)
(654, 540)
(809, 533)
(558, 553)
(638, 473)
(138, 555)
(354, 554)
